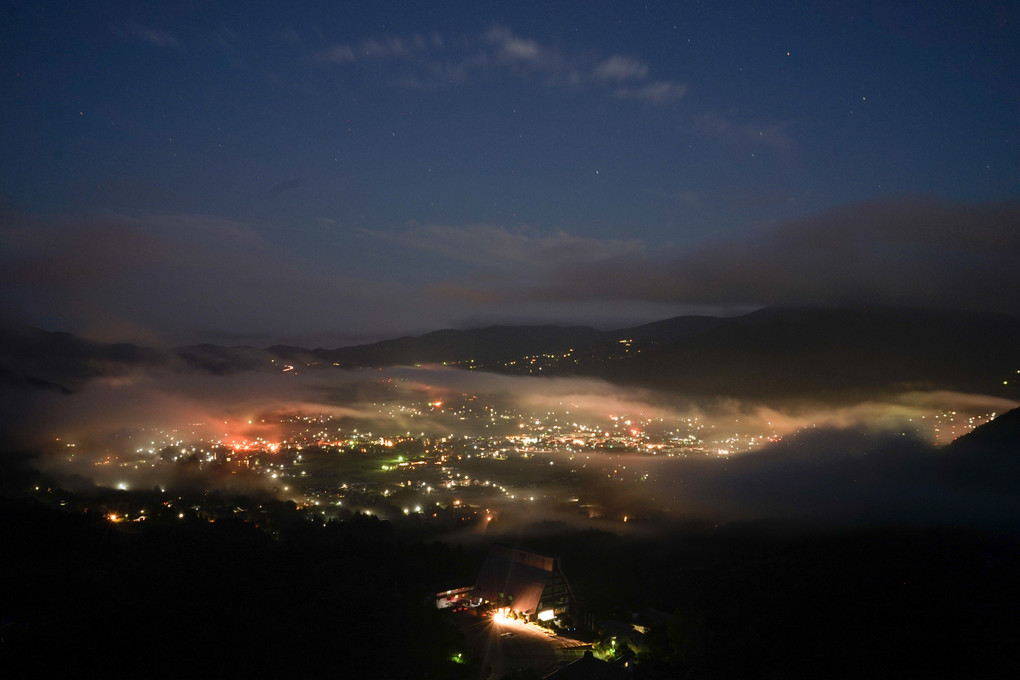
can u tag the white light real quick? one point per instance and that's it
(546, 615)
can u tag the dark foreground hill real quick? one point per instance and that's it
(987, 460)
(224, 600)
(218, 600)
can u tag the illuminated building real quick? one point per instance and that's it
(527, 584)
(451, 597)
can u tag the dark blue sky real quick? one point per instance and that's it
(324, 172)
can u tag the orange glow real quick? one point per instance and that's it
(502, 615)
(251, 435)
(242, 444)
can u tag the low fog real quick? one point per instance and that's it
(874, 461)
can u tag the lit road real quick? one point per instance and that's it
(507, 644)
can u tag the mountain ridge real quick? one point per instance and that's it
(792, 351)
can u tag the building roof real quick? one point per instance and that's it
(588, 668)
(520, 576)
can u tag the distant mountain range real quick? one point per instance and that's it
(828, 353)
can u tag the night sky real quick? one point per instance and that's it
(328, 173)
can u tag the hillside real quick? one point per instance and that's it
(829, 353)
(833, 354)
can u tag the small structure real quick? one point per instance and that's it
(589, 668)
(528, 585)
(643, 620)
(633, 634)
(452, 596)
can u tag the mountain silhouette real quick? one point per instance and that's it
(834, 354)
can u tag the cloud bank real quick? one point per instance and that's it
(910, 252)
(860, 463)
(185, 278)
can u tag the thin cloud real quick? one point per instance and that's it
(392, 47)
(493, 246)
(714, 126)
(429, 61)
(377, 48)
(286, 185)
(512, 48)
(653, 93)
(619, 69)
(152, 36)
(336, 54)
